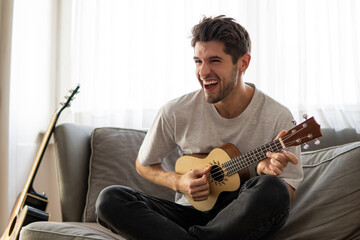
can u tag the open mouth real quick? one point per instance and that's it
(209, 85)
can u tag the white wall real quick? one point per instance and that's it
(31, 100)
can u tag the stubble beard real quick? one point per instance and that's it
(228, 87)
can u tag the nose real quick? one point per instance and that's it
(204, 69)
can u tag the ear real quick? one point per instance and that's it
(243, 62)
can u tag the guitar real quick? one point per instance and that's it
(30, 206)
(226, 161)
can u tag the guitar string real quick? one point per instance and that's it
(247, 156)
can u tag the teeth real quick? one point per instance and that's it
(209, 82)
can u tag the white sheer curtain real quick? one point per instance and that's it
(131, 56)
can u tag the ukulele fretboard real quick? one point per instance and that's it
(243, 161)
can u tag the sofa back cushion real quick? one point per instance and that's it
(112, 162)
(326, 204)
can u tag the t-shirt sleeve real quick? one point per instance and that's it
(159, 141)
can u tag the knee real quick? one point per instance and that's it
(108, 198)
(272, 190)
(104, 201)
(276, 190)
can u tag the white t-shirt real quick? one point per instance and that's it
(191, 125)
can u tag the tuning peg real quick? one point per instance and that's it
(305, 116)
(317, 141)
(306, 146)
(62, 103)
(294, 122)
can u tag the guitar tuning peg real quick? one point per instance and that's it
(317, 141)
(305, 116)
(62, 103)
(294, 122)
(71, 91)
(306, 146)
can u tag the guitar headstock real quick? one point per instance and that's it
(66, 104)
(302, 133)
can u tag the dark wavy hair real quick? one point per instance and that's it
(224, 29)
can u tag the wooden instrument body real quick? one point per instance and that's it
(218, 184)
(27, 209)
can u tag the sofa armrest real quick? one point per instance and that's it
(72, 151)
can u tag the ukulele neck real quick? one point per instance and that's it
(243, 161)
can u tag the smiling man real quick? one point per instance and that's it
(221, 78)
(224, 110)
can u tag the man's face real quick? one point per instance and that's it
(215, 70)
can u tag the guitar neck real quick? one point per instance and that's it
(45, 142)
(39, 155)
(41, 151)
(246, 160)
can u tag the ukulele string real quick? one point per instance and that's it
(294, 132)
(242, 161)
(220, 171)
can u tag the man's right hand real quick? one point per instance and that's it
(195, 184)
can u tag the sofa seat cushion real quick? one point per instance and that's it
(66, 231)
(326, 204)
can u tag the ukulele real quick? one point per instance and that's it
(226, 161)
(30, 206)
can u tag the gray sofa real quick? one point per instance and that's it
(327, 204)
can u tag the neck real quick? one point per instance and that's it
(236, 102)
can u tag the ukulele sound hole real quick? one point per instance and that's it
(217, 173)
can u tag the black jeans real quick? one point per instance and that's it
(256, 211)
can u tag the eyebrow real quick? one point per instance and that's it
(212, 57)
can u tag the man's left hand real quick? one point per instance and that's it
(275, 163)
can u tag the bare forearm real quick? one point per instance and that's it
(156, 174)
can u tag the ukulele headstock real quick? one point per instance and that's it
(302, 133)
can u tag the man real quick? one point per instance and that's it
(224, 110)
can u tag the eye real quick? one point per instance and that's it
(198, 61)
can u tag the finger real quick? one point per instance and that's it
(200, 172)
(200, 198)
(195, 191)
(206, 170)
(277, 164)
(199, 193)
(275, 170)
(290, 157)
(281, 134)
(277, 159)
(263, 168)
(199, 182)
(268, 171)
